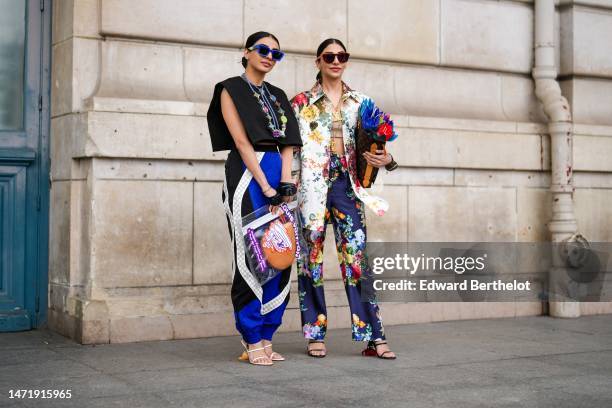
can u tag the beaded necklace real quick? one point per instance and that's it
(266, 100)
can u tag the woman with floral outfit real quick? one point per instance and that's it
(329, 191)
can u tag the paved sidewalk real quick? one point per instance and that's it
(531, 362)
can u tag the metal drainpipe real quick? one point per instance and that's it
(563, 225)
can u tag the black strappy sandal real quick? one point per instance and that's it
(371, 350)
(309, 351)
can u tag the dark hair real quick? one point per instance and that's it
(253, 38)
(324, 45)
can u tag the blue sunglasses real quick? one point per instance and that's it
(263, 50)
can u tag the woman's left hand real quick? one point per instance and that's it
(378, 160)
(288, 180)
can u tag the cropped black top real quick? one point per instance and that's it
(253, 118)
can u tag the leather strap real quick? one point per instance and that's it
(391, 166)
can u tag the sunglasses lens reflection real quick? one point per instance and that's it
(263, 50)
(277, 55)
(328, 58)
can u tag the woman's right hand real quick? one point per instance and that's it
(272, 195)
(270, 192)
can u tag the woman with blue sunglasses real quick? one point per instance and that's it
(254, 121)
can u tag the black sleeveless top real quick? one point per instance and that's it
(253, 118)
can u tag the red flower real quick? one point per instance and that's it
(385, 130)
(299, 100)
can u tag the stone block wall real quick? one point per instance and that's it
(139, 241)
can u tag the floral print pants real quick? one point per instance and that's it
(346, 213)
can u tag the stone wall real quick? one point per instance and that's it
(139, 242)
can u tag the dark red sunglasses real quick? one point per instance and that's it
(329, 57)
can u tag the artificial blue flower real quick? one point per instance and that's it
(369, 114)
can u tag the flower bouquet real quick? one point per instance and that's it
(374, 130)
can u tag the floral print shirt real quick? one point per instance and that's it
(313, 110)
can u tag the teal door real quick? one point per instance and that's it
(24, 163)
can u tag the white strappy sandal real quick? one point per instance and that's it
(246, 356)
(274, 356)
